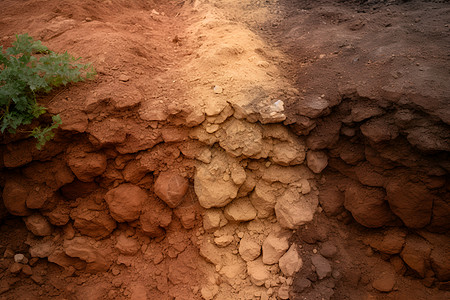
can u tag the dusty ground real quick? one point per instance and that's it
(185, 85)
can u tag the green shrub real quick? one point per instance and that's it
(23, 76)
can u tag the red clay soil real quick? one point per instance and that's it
(379, 73)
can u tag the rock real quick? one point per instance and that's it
(223, 240)
(440, 262)
(60, 258)
(91, 220)
(20, 258)
(86, 166)
(138, 292)
(312, 106)
(42, 249)
(155, 216)
(283, 292)
(126, 245)
(171, 188)
(241, 138)
(328, 249)
(249, 249)
(274, 246)
(385, 281)
(27, 271)
(368, 206)
(209, 292)
(293, 209)
(257, 272)
(213, 219)
(290, 263)
(331, 199)
(60, 215)
(4, 287)
(416, 254)
(264, 199)
(212, 182)
(325, 134)
(125, 202)
(379, 130)
(412, 202)
(14, 197)
(361, 111)
(38, 225)
(240, 210)
(286, 175)
(210, 252)
(81, 247)
(15, 268)
(398, 265)
(288, 153)
(317, 161)
(391, 242)
(322, 265)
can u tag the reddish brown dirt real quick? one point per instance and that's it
(138, 102)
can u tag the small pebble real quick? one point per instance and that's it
(218, 89)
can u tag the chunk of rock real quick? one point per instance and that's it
(240, 210)
(379, 129)
(328, 249)
(290, 263)
(264, 199)
(155, 217)
(125, 202)
(93, 223)
(317, 161)
(42, 249)
(60, 258)
(81, 247)
(322, 265)
(127, 245)
(249, 249)
(212, 182)
(171, 188)
(274, 246)
(289, 153)
(213, 219)
(385, 281)
(241, 138)
(224, 240)
(86, 166)
(416, 254)
(38, 225)
(258, 272)
(391, 242)
(283, 292)
(368, 206)
(294, 209)
(331, 200)
(14, 197)
(20, 258)
(412, 202)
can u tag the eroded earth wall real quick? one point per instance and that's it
(198, 168)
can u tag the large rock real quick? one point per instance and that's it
(14, 197)
(42, 249)
(38, 225)
(317, 161)
(213, 219)
(325, 134)
(291, 262)
(171, 188)
(92, 220)
(213, 182)
(368, 206)
(416, 254)
(412, 202)
(240, 210)
(391, 242)
(274, 246)
(125, 202)
(86, 166)
(331, 199)
(385, 281)
(294, 209)
(249, 249)
(60, 258)
(379, 129)
(288, 153)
